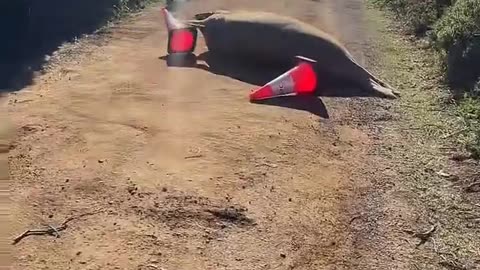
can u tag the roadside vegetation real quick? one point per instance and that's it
(125, 7)
(35, 29)
(452, 29)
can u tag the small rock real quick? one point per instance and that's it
(460, 157)
(164, 189)
(153, 260)
(78, 253)
(289, 199)
(283, 255)
(444, 174)
(132, 190)
(101, 161)
(450, 177)
(50, 216)
(82, 262)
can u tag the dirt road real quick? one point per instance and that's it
(177, 170)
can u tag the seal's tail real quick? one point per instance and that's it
(201, 18)
(384, 91)
(195, 23)
(377, 83)
(206, 15)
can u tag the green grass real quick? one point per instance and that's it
(453, 28)
(429, 123)
(469, 109)
(126, 7)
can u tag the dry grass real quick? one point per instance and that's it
(431, 132)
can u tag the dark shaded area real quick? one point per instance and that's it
(32, 29)
(463, 62)
(453, 29)
(242, 69)
(312, 104)
(253, 72)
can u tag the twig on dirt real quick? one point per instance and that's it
(423, 236)
(194, 156)
(452, 264)
(461, 157)
(475, 187)
(54, 231)
(458, 132)
(271, 165)
(354, 218)
(435, 247)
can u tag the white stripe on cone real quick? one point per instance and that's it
(283, 85)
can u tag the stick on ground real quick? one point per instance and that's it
(423, 236)
(475, 187)
(53, 231)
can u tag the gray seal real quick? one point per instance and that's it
(273, 38)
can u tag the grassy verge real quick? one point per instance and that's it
(428, 134)
(126, 7)
(452, 30)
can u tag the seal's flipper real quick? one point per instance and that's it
(384, 91)
(206, 15)
(195, 23)
(203, 16)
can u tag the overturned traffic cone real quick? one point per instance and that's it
(301, 79)
(181, 41)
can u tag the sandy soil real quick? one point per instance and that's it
(173, 168)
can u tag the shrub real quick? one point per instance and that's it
(470, 110)
(419, 15)
(457, 35)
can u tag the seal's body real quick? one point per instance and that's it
(273, 38)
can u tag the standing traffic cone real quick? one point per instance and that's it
(301, 79)
(181, 41)
(171, 22)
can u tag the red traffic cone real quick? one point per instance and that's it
(171, 22)
(182, 41)
(301, 79)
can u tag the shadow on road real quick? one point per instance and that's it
(312, 104)
(252, 72)
(31, 29)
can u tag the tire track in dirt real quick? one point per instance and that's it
(187, 173)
